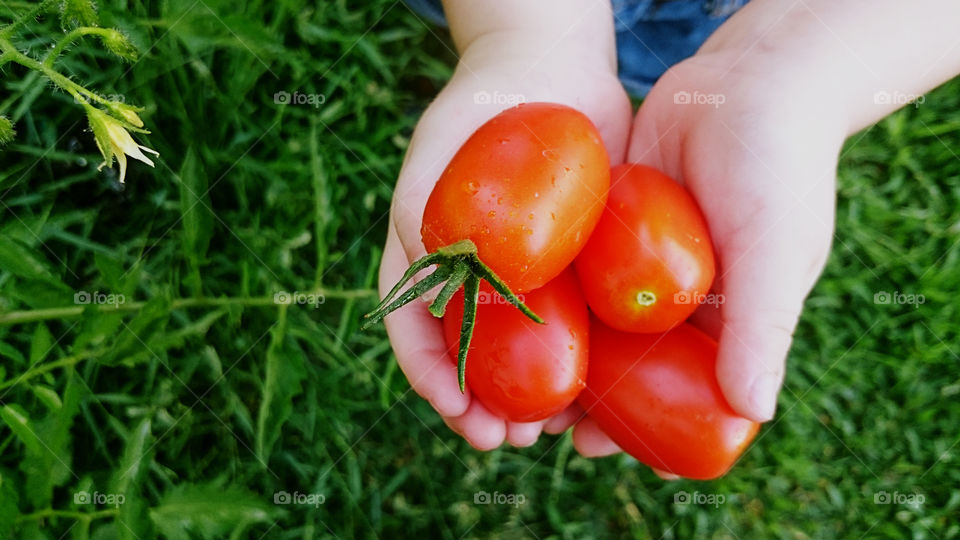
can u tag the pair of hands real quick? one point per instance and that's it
(761, 167)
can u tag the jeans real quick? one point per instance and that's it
(652, 35)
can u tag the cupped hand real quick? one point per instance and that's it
(492, 75)
(759, 155)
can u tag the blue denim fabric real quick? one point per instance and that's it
(651, 35)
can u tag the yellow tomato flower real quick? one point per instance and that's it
(113, 139)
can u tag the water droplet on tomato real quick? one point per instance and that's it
(536, 194)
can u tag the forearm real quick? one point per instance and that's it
(507, 30)
(867, 57)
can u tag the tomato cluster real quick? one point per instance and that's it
(530, 204)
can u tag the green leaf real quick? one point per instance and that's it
(111, 270)
(47, 396)
(9, 498)
(284, 371)
(40, 344)
(47, 459)
(127, 478)
(18, 421)
(196, 215)
(11, 352)
(208, 511)
(135, 342)
(22, 262)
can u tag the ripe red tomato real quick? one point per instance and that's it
(521, 370)
(649, 261)
(527, 188)
(657, 396)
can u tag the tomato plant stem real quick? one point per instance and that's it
(458, 265)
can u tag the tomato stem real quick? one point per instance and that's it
(458, 265)
(471, 290)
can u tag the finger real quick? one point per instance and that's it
(522, 434)
(563, 420)
(768, 270)
(707, 318)
(591, 441)
(479, 427)
(418, 342)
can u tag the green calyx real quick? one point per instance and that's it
(457, 266)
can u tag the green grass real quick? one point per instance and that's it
(204, 399)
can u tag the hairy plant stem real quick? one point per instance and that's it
(39, 8)
(33, 315)
(72, 36)
(14, 55)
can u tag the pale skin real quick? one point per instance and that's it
(797, 78)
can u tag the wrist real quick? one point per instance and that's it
(522, 52)
(859, 72)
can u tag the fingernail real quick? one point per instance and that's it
(763, 396)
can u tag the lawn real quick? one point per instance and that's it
(183, 402)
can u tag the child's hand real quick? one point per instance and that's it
(492, 75)
(763, 169)
(770, 98)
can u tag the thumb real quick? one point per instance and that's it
(767, 270)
